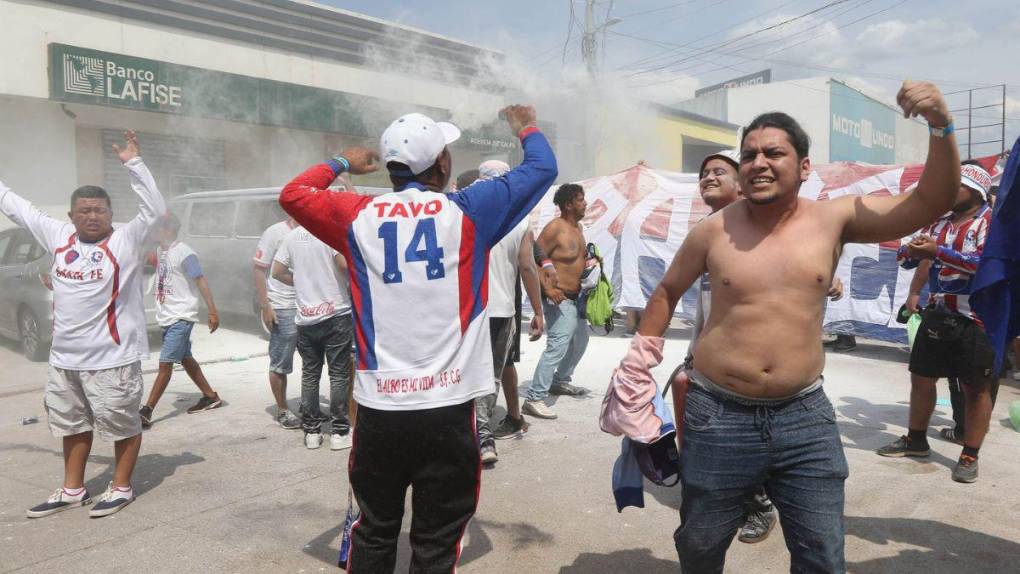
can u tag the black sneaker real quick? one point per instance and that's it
(844, 343)
(146, 413)
(510, 428)
(57, 502)
(951, 435)
(205, 404)
(758, 526)
(903, 447)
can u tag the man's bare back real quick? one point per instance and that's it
(564, 244)
(763, 337)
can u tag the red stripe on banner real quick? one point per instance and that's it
(478, 488)
(111, 310)
(464, 268)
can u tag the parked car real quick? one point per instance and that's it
(26, 301)
(224, 227)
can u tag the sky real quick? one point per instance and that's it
(662, 50)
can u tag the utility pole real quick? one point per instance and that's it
(588, 40)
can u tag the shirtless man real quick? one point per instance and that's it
(756, 378)
(566, 329)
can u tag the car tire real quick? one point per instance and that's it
(30, 335)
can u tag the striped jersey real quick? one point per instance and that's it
(956, 260)
(418, 267)
(98, 310)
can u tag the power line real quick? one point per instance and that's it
(653, 10)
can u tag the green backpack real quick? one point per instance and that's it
(599, 307)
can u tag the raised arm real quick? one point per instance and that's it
(872, 219)
(497, 205)
(688, 264)
(529, 274)
(324, 213)
(46, 230)
(151, 205)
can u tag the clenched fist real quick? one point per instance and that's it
(519, 117)
(362, 159)
(925, 100)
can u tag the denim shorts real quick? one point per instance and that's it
(176, 342)
(282, 341)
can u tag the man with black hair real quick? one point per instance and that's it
(416, 259)
(755, 411)
(178, 274)
(951, 341)
(99, 339)
(562, 240)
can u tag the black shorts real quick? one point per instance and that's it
(515, 348)
(501, 333)
(949, 344)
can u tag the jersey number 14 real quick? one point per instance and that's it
(431, 253)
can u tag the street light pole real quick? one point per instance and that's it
(588, 40)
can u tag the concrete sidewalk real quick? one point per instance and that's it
(229, 491)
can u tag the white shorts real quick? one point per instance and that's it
(106, 401)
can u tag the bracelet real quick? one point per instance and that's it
(941, 132)
(344, 164)
(547, 263)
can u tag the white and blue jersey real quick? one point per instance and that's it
(418, 267)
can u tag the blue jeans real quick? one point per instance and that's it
(282, 341)
(566, 341)
(730, 449)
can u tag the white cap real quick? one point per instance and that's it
(492, 168)
(976, 178)
(416, 141)
(730, 155)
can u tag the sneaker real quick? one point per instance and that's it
(538, 409)
(113, 500)
(205, 404)
(288, 420)
(950, 435)
(844, 343)
(313, 440)
(59, 500)
(338, 441)
(1016, 375)
(510, 428)
(758, 526)
(568, 390)
(489, 455)
(966, 469)
(146, 413)
(903, 447)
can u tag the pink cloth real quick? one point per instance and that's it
(627, 408)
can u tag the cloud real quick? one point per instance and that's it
(875, 90)
(662, 87)
(894, 38)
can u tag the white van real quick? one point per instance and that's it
(223, 227)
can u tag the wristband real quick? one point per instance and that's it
(547, 263)
(941, 132)
(345, 166)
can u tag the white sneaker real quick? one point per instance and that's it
(538, 409)
(59, 500)
(111, 501)
(313, 440)
(340, 441)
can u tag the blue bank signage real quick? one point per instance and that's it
(860, 128)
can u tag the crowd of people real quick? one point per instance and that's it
(412, 300)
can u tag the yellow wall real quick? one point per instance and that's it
(663, 150)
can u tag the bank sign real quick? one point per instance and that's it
(860, 129)
(86, 76)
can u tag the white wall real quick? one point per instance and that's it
(37, 150)
(28, 26)
(807, 100)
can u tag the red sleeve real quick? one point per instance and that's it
(326, 214)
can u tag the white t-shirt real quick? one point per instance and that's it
(281, 296)
(98, 309)
(503, 272)
(176, 296)
(321, 291)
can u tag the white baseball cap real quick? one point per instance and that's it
(976, 178)
(492, 168)
(416, 141)
(730, 155)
